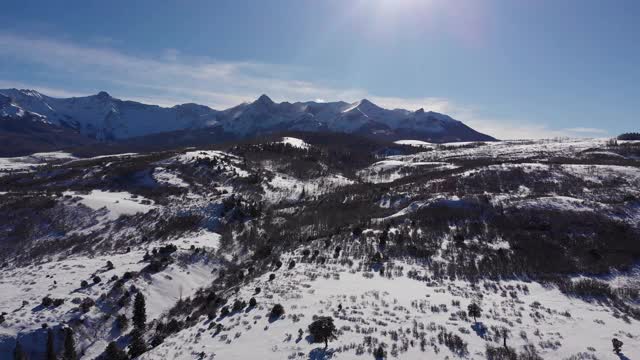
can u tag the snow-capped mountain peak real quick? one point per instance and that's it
(104, 117)
(9, 109)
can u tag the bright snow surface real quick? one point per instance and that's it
(400, 308)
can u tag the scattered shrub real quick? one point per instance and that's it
(277, 311)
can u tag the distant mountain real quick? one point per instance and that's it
(24, 132)
(104, 118)
(363, 118)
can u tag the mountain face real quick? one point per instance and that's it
(24, 132)
(104, 118)
(362, 117)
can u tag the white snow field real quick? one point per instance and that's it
(295, 142)
(416, 143)
(30, 162)
(287, 188)
(115, 203)
(405, 314)
(397, 167)
(168, 177)
(228, 162)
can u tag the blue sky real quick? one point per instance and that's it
(511, 68)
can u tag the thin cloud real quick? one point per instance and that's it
(172, 78)
(586, 130)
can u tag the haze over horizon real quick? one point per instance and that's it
(509, 69)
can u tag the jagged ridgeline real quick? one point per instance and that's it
(35, 122)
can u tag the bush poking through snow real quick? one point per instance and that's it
(453, 342)
(379, 353)
(87, 304)
(276, 312)
(238, 305)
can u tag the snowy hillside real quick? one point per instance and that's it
(412, 250)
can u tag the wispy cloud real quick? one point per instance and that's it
(172, 78)
(586, 130)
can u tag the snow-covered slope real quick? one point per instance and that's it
(393, 246)
(406, 315)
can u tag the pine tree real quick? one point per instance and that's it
(69, 351)
(18, 353)
(51, 352)
(113, 352)
(323, 330)
(139, 312)
(617, 345)
(137, 346)
(474, 311)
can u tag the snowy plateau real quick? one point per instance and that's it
(393, 248)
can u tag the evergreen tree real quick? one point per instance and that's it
(113, 352)
(617, 345)
(137, 346)
(18, 353)
(69, 351)
(474, 311)
(51, 352)
(139, 312)
(277, 311)
(323, 330)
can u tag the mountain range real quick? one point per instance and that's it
(103, 118)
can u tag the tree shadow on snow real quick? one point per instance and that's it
(622, 356)
(309, 339)
(479, 329)
(320, 354)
